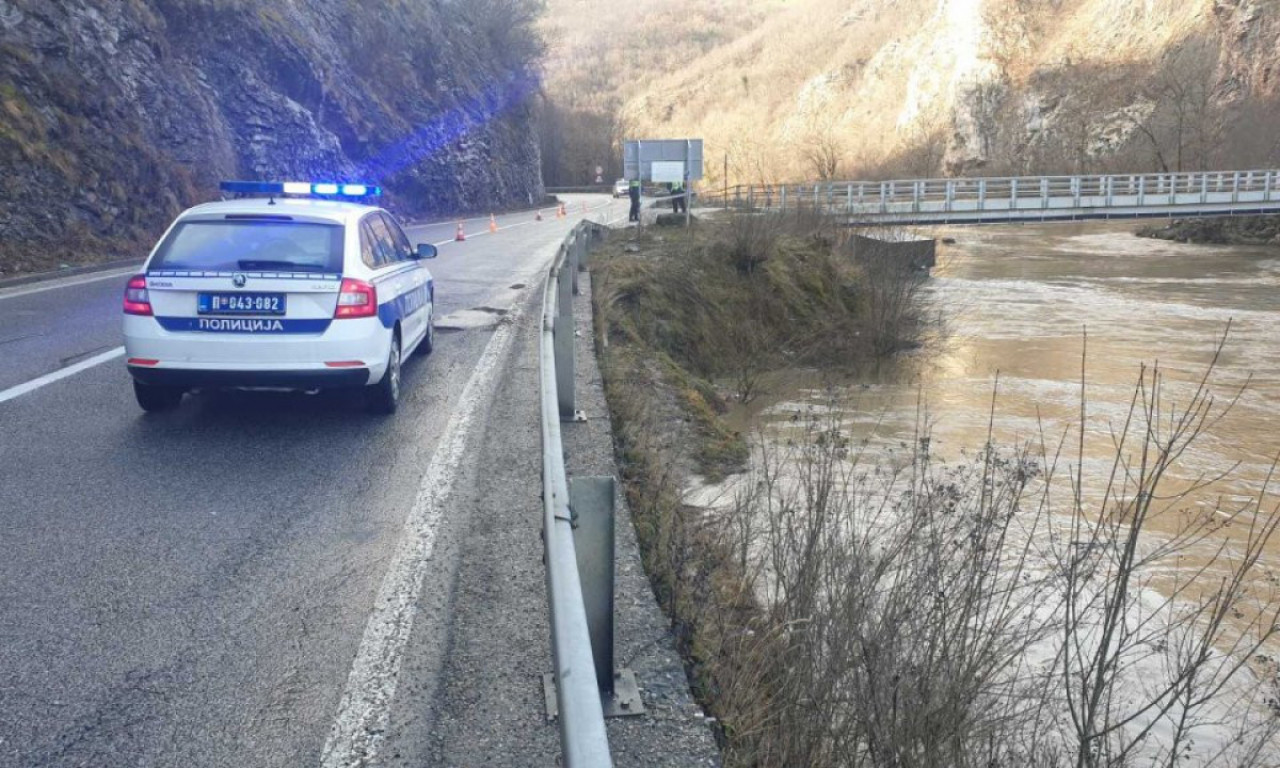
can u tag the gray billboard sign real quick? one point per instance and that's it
(638, 157)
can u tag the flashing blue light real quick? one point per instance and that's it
(303, 188)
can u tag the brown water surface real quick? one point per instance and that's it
(1018, 300)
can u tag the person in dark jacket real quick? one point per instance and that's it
(634, 191)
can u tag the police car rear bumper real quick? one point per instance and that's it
(335, 378)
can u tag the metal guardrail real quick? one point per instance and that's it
(578, 541)
(1020, 198)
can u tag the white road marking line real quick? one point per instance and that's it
(61, 373)
(361, 722)
(56, 283)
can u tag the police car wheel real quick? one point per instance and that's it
(429, 341)
(155, 398)
(384, 396)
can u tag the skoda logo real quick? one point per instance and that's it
(238, 280)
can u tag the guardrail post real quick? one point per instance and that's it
(584, 253)
(1235, 187)
(1044, 193)
(575, 253)
(563, 340)
(591, 500)
(1266, 186)
(982, 194)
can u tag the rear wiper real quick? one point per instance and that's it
(281, 265)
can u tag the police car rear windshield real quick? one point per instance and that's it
(251, 245)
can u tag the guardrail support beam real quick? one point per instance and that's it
(565, 367)
(591, 499)
(562, 333)
(576, 249)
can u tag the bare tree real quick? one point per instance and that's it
(1183, 128)
(823, 147)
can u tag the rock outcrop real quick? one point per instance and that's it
(116, 114)
(1236, 230)
(912, 88)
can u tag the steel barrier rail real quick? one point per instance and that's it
(584, 741)
(1022, 197)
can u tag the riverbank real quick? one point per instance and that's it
(1232, 230)
(689, 323)
(853, 598)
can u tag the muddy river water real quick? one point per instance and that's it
(1017, 302)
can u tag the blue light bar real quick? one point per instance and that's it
(299, 188)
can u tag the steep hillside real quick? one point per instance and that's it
(115, 114)
(840, 88)
(602, 53)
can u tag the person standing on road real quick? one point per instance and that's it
(677, 196)
(634, 191)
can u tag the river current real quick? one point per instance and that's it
(1017, 303)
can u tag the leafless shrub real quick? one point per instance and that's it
(917, 614)
(894, 281)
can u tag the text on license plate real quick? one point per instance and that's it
(240, 303)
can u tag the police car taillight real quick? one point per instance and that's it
(356, 299)
(136, 300)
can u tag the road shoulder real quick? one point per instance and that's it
(488, 701)
(673, 731)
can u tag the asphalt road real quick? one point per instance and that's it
(191, 588)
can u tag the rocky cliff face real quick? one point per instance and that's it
(972, 87)
(116, 114)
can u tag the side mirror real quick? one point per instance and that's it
(426, 251)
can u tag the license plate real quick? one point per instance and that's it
(240, 303)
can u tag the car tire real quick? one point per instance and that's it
(154, 398)
(384, 397)
(428, 344)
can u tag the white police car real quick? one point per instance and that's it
(293, 285)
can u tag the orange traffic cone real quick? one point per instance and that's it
(461, 235)
(561, 213)
(493, 224)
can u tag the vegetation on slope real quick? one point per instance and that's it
(602, 53)
(116, 115)
(882, 88)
